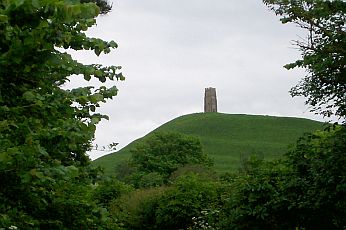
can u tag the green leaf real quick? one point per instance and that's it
(35, 173)
(120, 77)
(87, 77)
(102, 79)
(4, 125)
(39, 103)
(98, 73)
(19, 2)
(26, 178)
(92, 108)
(43, 152)
(73, 171)
(4, 157)
(95, 120)
(3, 18)
(29, 96)
(35, 3)
(113, 44)
(96, 98)
(97, 51)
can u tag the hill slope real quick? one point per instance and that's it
(228, 137)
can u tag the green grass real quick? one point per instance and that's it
(228, 137)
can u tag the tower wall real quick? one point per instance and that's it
(210, 101)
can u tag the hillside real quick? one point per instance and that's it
(229, 137)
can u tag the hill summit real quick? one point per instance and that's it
(228, 138)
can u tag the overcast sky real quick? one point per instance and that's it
(171, 50)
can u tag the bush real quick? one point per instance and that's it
(200, 170)
(160, 155)
(317, 189)
(137, 210)
(254, 198)
(109, 189)
(189, 196)
(306, 191)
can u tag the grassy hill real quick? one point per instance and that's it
(228, 137)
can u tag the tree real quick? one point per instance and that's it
(323, 51)
(45, 130)
(304, 191)
(316, 188)
(163, 153)
(167, 207)
(255, 198)
(185, 200)
(109, 189)
(137, 209)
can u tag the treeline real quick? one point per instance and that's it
(305, 190)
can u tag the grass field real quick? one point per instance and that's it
(229, 137)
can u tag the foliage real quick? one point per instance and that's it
(202, 221)
(248, 164)
(71, 208)
(306, 191)
(104, 5)
(163, 153)
(141, 179)
(61, 200)
(323, 51)
(253, 199)
(153, 179)
(45, 130)
(319, 179)
(186, 199)
(166, 207)
(202, 171)
(109, 189)
(137, 210)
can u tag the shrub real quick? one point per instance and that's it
(160, 155)
(137, 210)
(186, 199)
(109, 189)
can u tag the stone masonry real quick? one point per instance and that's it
(210, 102)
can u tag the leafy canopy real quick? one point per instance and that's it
(323, 51)
(304, 191)
(154, 160)
(45, 130)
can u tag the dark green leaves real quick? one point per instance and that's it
(163, 153)
(3, 18)
(323, 52)
(45, 129)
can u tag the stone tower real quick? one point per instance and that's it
(210, 103)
